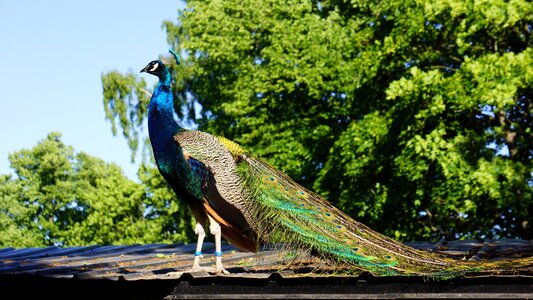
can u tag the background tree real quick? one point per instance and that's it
(412, 116)
(59, 197)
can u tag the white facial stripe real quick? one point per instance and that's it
(154, 67)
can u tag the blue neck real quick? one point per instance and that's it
(161, 110)
(167, 152)
(162, 127)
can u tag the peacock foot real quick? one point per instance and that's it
(196, 269)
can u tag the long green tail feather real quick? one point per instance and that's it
(288, 213)
(284, 212)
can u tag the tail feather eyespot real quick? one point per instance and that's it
(270, 179)
(390, 258)
(358, 250)
(328, 215)
(301, 194)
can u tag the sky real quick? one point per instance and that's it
(52, 56)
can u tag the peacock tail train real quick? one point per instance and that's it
(289, 213)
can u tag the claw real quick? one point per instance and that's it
(209, 270)
(175, 274)
(223, 272)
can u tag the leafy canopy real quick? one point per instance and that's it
(60, 197)
(412, 116)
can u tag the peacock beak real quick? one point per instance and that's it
(145, 69)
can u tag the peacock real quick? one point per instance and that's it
(249, 202)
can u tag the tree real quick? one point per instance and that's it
(59, 197)
(413, 112)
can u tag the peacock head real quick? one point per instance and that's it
(155, 67)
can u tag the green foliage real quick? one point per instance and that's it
(61, 197)
(172, 218)
(122, 92)
(412, 116)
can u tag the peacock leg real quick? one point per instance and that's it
(200, 218)
(215, 229)
(199, 230)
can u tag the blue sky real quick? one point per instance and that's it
(52, 56)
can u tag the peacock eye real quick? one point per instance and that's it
(154, 66)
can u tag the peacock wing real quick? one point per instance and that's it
(204, 158)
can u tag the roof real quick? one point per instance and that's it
(133, 268)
